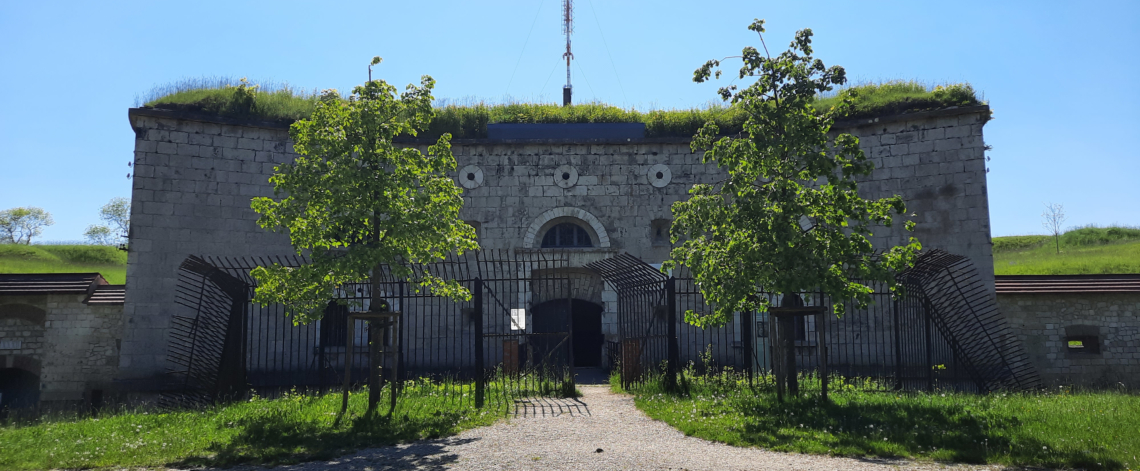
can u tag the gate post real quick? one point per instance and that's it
(898, 348)
(747, 339)
(929, 350)
(671, 334)
(821, 331)
(480, 373)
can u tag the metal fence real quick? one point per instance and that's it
(938, 336)
(485, 340)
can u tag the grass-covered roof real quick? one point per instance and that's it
(281, 103)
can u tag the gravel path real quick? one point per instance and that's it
(566, 434)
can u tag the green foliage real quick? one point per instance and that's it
(289, 429)
(356, 201)
(1015, 243)
(223, 96)
(1093, 235)
(1059, 428)
(19, 225)
(897, 97)
(108, 261)
(99, 235)
(788, 218)
(227, 97)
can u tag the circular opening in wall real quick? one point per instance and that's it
(471, 176)
(565, 175)
(660, 175)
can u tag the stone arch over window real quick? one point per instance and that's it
(580, 217)
(26, 312)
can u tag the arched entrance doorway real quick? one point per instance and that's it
(18, 388)
(585, 317)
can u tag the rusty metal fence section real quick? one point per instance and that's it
(964, 311)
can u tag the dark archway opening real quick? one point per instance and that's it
(18, 388)
(586, 319)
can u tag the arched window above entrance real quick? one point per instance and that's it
(566, 235)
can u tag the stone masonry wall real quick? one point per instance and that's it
(194, 179)
(1042, 321)
(76, 346)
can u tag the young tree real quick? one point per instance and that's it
(355, 201)
(99, 235)
(788, 218)
(19, 225)
(117, 213)
(1053, 219)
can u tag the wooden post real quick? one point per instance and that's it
(349, 347)
(376, 334)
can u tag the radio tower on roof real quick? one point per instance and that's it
(567, 28)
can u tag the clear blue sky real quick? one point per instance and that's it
(1061, 76)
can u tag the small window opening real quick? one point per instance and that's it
(566, 235)
(659, 232)
(1085, 344)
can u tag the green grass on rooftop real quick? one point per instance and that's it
(107, 261)
(1084, 251)
(279, 102)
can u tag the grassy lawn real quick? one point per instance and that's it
(290, 429)
(1060, 428)
(108, 261)
(1089, 250)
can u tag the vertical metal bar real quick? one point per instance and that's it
(898, 347)
(821, 330)
(747, 318)
(671, 332)
(929, 350)
(480, 385)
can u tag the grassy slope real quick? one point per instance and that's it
(108, 261)
(268, 432)
(282, 103)
(1088, 250)
(1053, 429)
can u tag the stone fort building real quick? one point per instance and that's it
(588, 194)
(526, 192)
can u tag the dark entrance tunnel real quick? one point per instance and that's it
(18, 388)
(585, 318)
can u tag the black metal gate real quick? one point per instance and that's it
(224, 344)
(945, 334)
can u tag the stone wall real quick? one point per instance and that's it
(75, 345)
(1045, 323)
(194, 178)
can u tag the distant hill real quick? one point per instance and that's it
(108, 261)
(1084, 251)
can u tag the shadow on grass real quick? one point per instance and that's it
(942, 432)
(283, 439)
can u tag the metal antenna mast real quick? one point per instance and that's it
(567, 28)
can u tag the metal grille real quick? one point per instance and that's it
(965, 312)
(491, 339)
(896, 343)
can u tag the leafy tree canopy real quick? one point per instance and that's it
(117, 213)
(99, 235)
(788, 217)
(19, 225)
(354, 201)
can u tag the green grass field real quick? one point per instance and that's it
(289, 429)
(1084, 251)
(108, 261)
(1057, 428)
